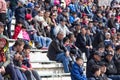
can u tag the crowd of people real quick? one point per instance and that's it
(68, 29)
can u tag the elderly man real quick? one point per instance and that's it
(58, 52)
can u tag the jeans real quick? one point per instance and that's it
(36, 75)
(20, 75)
(11, 71)
(61, 57)
(43, 41)
(1, 77)
(9, 29)
(114, 77)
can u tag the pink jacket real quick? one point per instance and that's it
(3, 6)
(25, 35)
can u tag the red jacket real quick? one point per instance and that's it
(16, 32)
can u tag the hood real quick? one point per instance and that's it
(6, 47)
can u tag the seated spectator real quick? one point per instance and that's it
(58, 52)
(103, 68)
(17, 48)
(62, 27)
(95, 73)
(77, 70)
(83, 42)
(74, 51)
(27, 65)
(108, 40)
(95, 60)
(111, 68)
(117, 59)
(5, 60)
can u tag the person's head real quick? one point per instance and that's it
(117, 49)
(90, 25)
(41, 13)
(118, 35)
(101, 48)
(103, 67)
(78, 27)
(79, 61)
(97, 56)
(109, 56)
(1, 27)
(26, 49)
(20, 3)
(71, 37)
(47, 13)
(107, 35)
(53, 15)
(63, 21)
(60, 35)
(83, 30)
(19, 44)
(19, 23)
(96, 70)
(3, 42)
(74, 14)
(66, 40)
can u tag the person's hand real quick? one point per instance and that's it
(2, 70)
(87, 47)
(67, 53)
(22, 69)
(90, 47)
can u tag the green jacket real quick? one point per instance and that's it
(6, 51)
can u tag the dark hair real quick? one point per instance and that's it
(69, 36)
(95, 68)
(19, 42)
(65, 39)
(78, 58)
(117, 48)
(26, 46)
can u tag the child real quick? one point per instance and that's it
(26, 63)
(108, 41)
(77, 70)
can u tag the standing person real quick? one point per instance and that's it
(77, 70)
(3, 10)
(9, 19)
(58, 52)
(20, 11)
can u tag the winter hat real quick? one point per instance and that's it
(28, 16)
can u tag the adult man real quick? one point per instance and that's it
(58, 52)
(83, 42)
(93, 61)
(62, 27)
(111, 68)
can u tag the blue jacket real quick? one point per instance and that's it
(77, 72)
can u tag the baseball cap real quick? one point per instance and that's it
(97, 53)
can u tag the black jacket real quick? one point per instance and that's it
(81, 43)
(55, 48)
(117, 62)
(91, 63)
(111, 68)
